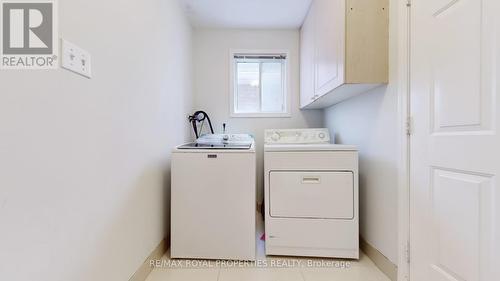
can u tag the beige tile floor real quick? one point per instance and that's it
(271, 268)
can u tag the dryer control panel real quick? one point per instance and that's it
(297, 136)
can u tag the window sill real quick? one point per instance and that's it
(261, 115)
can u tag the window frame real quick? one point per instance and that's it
(233, 77)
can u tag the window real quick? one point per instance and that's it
(259, 84)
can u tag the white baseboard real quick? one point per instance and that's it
(145, 269)
(381, 261)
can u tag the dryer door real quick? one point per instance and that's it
(312, 194)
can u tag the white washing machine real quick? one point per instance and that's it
(213, 199)
(311, 195)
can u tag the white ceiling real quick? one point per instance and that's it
(247, 13)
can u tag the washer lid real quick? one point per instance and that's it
(309, 147)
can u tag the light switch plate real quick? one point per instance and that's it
(75, 59)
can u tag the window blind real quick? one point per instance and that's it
(259, 57)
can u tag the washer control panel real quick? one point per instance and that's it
(297, 136)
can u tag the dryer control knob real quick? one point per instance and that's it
(275, 136)
(321, 135)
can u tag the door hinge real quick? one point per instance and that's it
(407, 251)
(409, 125)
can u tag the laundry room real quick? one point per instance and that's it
(218, 140)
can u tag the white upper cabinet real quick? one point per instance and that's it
(307, 59)
(344, 50)
(329, 45)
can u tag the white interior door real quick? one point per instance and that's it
(455, 146)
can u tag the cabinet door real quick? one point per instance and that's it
(307, 59)
(329, 45)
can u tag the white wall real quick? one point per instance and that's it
(84, 163)
(211, 67)
(372, 121)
